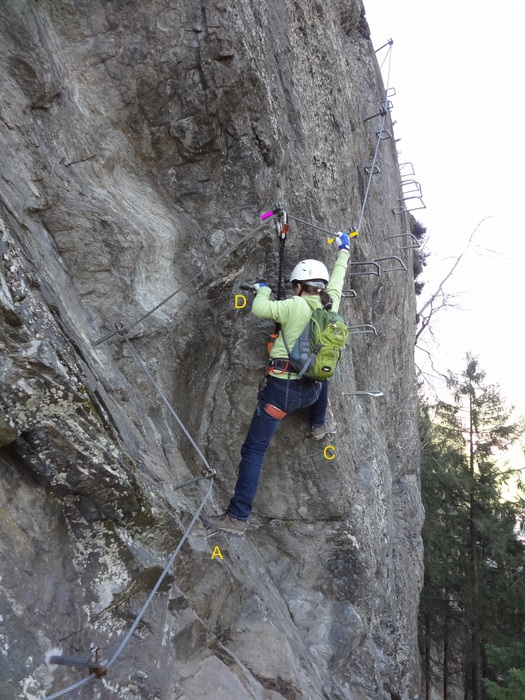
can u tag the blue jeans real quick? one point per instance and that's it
(287, 395)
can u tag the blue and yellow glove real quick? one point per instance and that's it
(342, 238)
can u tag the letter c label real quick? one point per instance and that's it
(329, 447)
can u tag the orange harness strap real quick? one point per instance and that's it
(273, 411)
(283, 369)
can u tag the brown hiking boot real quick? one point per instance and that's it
(225, 523)
(320, 431)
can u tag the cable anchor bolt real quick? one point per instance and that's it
(92, 664)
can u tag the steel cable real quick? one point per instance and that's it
(168, 566)
(139, 360)
(228, 252)
(67, 690)
(170, 408)
(384, 112)
(140, 615)
(376, 151)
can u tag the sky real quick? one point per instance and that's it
(457, 71)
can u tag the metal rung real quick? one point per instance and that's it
(383, 135)
(403, 209)
(391, 92)
(406, 166)
(414, 184)
(394, 269)
(377, 270)
(348, 294)
(410, 235)
(374, 170)
(364, 328)
(371, 392)
(411, 196)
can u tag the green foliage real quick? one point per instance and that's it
(474, 588)
(417, 229)
(508, 664)
(419, 260)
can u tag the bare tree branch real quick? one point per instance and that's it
(439, 294)
(454, 266)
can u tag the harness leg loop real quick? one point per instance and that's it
(273, 411)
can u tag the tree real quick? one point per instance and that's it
(472, 595)
(445, 494)
(510, 665)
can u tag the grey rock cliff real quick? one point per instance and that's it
(138, 142)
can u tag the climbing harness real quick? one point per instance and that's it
(273, 411)
(277, 366)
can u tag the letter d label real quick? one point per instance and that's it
(240, 301)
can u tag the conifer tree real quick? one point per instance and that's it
(471, 595)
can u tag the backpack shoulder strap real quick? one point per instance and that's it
(286, 347)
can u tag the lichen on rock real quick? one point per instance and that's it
(140, 142)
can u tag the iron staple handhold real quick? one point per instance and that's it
(393, 257)
(411, 235)
(376, 272)
(363, 328)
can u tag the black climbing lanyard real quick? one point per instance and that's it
(282, 226)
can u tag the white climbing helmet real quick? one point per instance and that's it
(310, 271)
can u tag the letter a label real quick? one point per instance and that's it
(240, 301)
(216, 553)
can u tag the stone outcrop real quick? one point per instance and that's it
(139, 142)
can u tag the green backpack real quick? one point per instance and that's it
(316, 352)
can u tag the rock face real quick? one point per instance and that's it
(139, 143)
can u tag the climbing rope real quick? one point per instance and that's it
(127, 637)
(127, 329)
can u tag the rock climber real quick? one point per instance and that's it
(283, 392)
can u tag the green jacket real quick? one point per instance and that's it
(293, 314)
